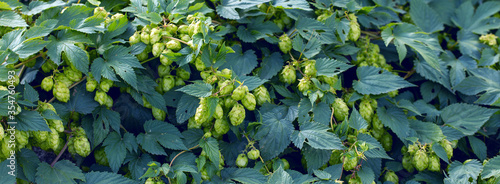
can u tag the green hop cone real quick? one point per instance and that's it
(354, 180)
(420, 160)
(82, 146)
(288, 74)
(159, 114)
(40, 136)
(150, 181)
(240, 92)
(57, 125)
(304, 84)
(61, 78)
(199, 64)
(73, 74)
(167, 83)
(2, 132)
(91, 84)
(100, 157)
(61, 92)
(47, 83)
(100, 12)
(253, 154)
(242, 160)
(391, 176)
(163, 70)
(183, 29)
(183, 74)
(393, 94)
(249, 101)
(366, 110)
(310, 68)
(53, 139)
(174, 45)
(154, 35)
(407, 159)
(262, 95)
(202, 115)
(6, 150)
(335, 157)
(237, 114)
(172, 28)
(221, 126)
(79, 132)
(225, 87)
(229, 102)
(285, 43)
(434, 164)
(376, 123)
(447, 147)
(219, 112)
(21, 138)
(158, 48)
(179, 82)
(349, 162)
(109, 102)
(340, 109)
(192, 124)
(145, 37)
(101, 97)
(354, 29)
(386, 141)
(105, 84)
(164, 59)
(49, 66)
(413, 148)
(135, 38)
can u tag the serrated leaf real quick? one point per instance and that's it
(29, 47)
(211, 147)
(426, 132)
(276, 130)
(334, 170)
(468, 43)
(104, 119)
(9, 176)
(65, 42)
(247, 176)
(227, 8)
(440, 76)
(425, 17)
(377, 153)
(408, 34)
(322, 174)
(41, 30)
(366, 174)
(257, 29)
(63, 172)
(491, 168)
(322, 113)
(477, 21)
(11, 19)
(280, 176)
(292, 4)
(30, 94)
(271, 65)
(356, 121)
(186, 108)
(469, 119)
(96, 177)
(36, 7)
(315, 158)
(478, 147)
(31, 121)
(81, 100)
(317, 136)
(116, 150)
(251, 82)
(373, 80)
(199, 90)
(117, 60)
(395, 119)
(28, 160)
(138, 164)
(483, 79)
(459, 172)
(440, 152)
(241, 63)
(158, 134)
(330, 67)
(309, 49)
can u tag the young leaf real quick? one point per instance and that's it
(65, 42)
(63, 172)
(373, 80)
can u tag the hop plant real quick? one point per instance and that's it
(100, 12)
(221, 126)
(242, 160)
(386, 141)
(261, 95)
(135, 38)
(489, 39)
(164, 59)
(407, 163)
(219, 112)
(163, 70)
(168, 83)
(47, 83)
(57, 125)
(62, 78)
(354, 29)
(447, 147)
(91, 84)
(101, 97)
(240, 92)
(158, 48)
(304, 84)
(249, 101)
(105, 84)
(350, 162)
(391, 176)
(183, 74)
(341, 111)
(253, 154)
(174, 45)
(82, 146)
(53, 139)
(61, 92)
(434, 164)
(420, 160)
(285, 43)
(288, 74)
(202, 115)
(159, 114)
(310, 68)
(366, 110)
(154, 35)
(73, 74)
(237, 114)
(225, 87)
(145, 37)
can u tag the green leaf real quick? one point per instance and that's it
(357, 121)
(309, 49)
(408, 34)
(276, 131)
(477, 21)
(29, 47)
(30, 94)
(426, 132)
(373, 80)
(251, 82)
(292, 4)
(28, 160)
(330, 67)
(315, 158)
(491, 168)
(96, 177)
(211, 147)
(40, 30)
(36, 7)
(335, 171)
(478, 147)
(247, 176)
(73, 14)
(11, 19)
(459, 172)
(270, 66)
(280, 176)
(377, 153)
(212, 105)
(488, 57)
(9, 175)
(469, 119)
(369, 140)
(158, 134)
(116, 148)
(138, 164)
(469, 45)
(317, 136)
(241, 63)
(200, 90)
(81, 100)
(440, 76)
(440, 152)
(322, 113)
(227, 8)
(366, 174)
(186, 108)
(104, 119)
(65, 42)
(425, 17)
(63, 172)
(257, 29)
(31, 121)
(123, 63)
(483, 79)
(395, 119)
(322, 174)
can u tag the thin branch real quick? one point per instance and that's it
(28, 60)
(61, 152)
(171, 162)
(145, 61)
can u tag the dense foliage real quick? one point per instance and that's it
(250, 91)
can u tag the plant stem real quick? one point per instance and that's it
(171, 162)
(145, 61)
(28, 60)
(61, 152)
